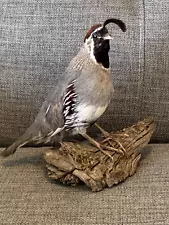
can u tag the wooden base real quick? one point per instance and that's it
(76, 162)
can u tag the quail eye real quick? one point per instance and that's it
(94, 35)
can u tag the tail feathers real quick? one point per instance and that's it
(17, 144)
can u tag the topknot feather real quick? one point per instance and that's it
(94, 27)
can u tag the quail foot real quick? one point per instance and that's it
(80, 97)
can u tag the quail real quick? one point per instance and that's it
(80, 97)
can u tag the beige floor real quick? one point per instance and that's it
(27, 196)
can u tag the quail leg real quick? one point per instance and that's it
(105, 133)
(96, 144)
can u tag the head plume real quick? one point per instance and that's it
(120, 23)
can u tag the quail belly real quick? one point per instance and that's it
(89, 113)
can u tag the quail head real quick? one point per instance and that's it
(80, 97)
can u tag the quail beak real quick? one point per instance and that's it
(108, 37)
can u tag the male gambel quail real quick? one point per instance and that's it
(81, 97)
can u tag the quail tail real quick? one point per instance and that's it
(21, 141)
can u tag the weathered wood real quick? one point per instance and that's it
(76, 162)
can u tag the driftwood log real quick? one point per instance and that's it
(74, 162)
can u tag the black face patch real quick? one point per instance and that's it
(101, 49)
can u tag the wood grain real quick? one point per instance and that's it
(81, 162)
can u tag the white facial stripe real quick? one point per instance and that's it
(90, 46)
(99, 28)
(108, 37)
(92, 51)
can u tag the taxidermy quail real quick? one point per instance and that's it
(81, 97)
